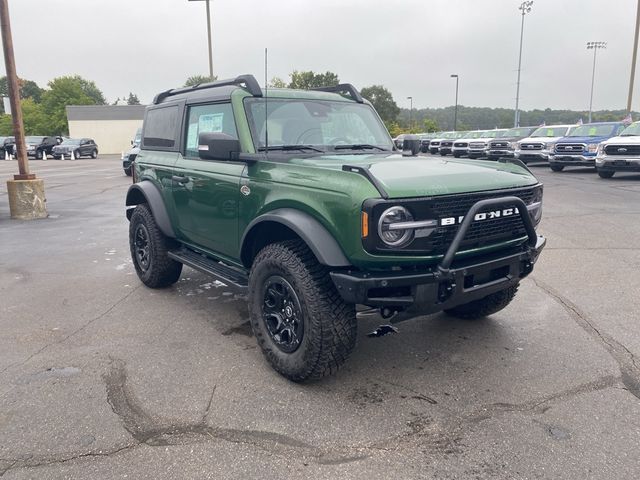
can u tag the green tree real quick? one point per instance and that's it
(382, 101)
(133, 99)
(28, 89)
(430, 125)
(308, 80)
(33, 118)
(277, 82)
(198, 79)
(89, 88)
(63, 91)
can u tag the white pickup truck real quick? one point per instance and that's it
(478, 146)
(621, 153)
(539, 146)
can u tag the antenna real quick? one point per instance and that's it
(266, 103)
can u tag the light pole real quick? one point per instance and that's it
(633, 59)
(595, 46)
(410, 113)
(455, 112)
(525, 7)
(208, 37)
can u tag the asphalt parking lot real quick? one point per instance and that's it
(101, 377)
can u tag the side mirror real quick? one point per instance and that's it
(218, 146)
(410, 146)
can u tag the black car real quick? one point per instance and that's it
(80, 147)
(7, 146)
(37, 146)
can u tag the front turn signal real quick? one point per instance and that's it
(365, 224)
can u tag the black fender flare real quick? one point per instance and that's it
(147, 192)
(310, 230)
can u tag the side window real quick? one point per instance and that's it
(216, 118)
(160, 127)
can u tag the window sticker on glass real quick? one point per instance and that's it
(192, 137)
(210, 123)
(550, 132)
(593, 131)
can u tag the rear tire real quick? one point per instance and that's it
(605, 173)
(149, 250)
(304, 328)
(484, 307)
(556, 168)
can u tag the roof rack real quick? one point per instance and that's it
(343, 88)
(249, 82)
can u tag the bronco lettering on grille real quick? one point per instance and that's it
(506, 212)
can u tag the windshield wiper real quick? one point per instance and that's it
(290, 147)
(359, 146)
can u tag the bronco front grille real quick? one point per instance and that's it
(628, 150)
(481, 233)
(570, 148)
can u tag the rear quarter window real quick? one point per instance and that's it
(161, 127)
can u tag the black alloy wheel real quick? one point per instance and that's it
(142, 247)
(282, 314)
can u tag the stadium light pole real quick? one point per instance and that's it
(633, 59)
(525, 7)
(455, 112)
(410, 112)
(208, 36)
(595, 46)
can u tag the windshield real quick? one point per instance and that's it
(474, 135)
(71, 141)
(33, 139)
(594, 130)
(550, 132)
(518, 132)
(494, 133)
(633, 129)
(326, 125)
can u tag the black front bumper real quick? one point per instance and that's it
(451, 283)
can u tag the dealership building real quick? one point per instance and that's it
(111, 126)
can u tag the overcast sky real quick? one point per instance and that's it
(409, 46)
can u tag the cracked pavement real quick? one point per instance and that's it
(103, 378)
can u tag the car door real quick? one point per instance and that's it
(206, 192)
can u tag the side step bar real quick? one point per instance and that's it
(234, 278)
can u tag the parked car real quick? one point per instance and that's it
(80, 147)
(505, 146)
(478, 146)
(7, 146)
(130, 155)
(425, 140)
(37, 146)
(404, 236)
(461, 145)
(580, 147)
(434, 144)
(539, 146)
(621, 153)
(446, 143)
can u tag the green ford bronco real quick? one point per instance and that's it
(301, 200)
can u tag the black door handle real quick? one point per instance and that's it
(180, 180)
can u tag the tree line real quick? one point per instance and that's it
(44, 111)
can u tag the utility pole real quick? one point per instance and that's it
(455, 112)
(410, 113)
(595, 46)
(208, 36)
(525, 7)
(26, 193)
(633, 59)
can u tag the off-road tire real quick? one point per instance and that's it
(160, 271)
(484, 307)
(330, 327)
(556, 168)
(605, 173)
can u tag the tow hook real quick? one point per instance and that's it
(445, 290)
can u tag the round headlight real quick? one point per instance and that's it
(391, 236)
